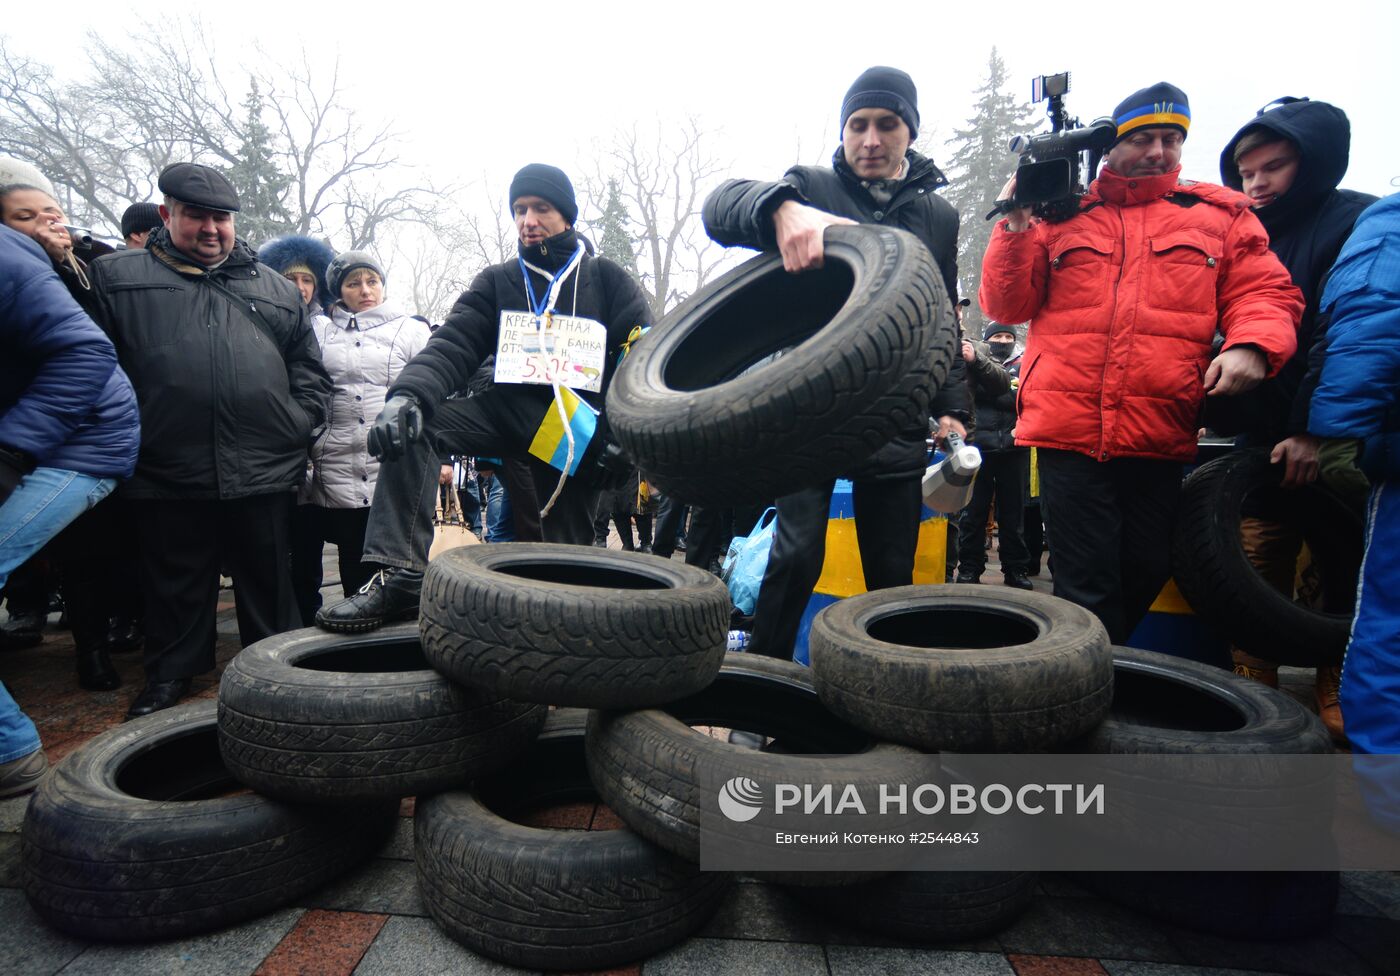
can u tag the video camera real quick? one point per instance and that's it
(1049, 178)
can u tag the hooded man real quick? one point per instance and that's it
(1288, 160)
(557, 320)
(1124, 299)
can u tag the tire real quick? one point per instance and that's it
(963, 668)
(1222, 586)
(1170, 706)
(1165, 705)
(872, 338)
(136, 836)
(650, 766)
(573, 625)
(552, 899)
(929, 907)
(315, 717)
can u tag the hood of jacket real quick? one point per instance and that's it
(370, 318)
(920, 168)
(1323, 137)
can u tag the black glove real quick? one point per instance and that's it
(398, 425)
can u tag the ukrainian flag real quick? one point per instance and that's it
(550, 444)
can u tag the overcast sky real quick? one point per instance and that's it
(482, 88)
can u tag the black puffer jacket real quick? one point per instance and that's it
(740, 213)
(1307, 226)
(598, 290)
(994, 399)
(227, 406)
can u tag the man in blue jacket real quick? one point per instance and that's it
(69, 430)
(1358, 398)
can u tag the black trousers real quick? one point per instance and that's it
(1003, 478)
(887, 532)
(670, 515)
(312, 527)
(182, 546)
(400, 529)
(1109, 525)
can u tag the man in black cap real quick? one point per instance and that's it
(876, 178)
(229, 379)
(138, 220)
(557, 320)
(1124, 299)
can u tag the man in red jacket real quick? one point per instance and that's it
(1124, 299)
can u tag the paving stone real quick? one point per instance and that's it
(1375, 940)
(323, 944)
(705, 957)
(399, 847)
(1123, 967)
(1379, 888)
(1089, 927)
(884, 961)
(10, 873)
(382, 885)
(1317, 956)
(417, 946)
(233, 950)
(28, 947)
(1055, 966)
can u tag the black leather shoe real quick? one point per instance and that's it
(25, 629)
(124, 635)
(391, 594)
(95, 671)
(158, 695)
(969, 578)
(1018, 580)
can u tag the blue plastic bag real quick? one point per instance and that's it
(746, 560)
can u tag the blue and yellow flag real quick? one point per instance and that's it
(550, 444)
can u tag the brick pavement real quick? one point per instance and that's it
(372, 921)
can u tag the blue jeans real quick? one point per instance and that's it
(18, 736)
(39, 509)
(500, 526)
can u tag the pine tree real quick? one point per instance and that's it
(614, 241)
(980, 165)
(256, 177)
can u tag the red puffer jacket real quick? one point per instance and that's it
(1124, 300)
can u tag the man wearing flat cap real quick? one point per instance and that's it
(229, 379)
(1124, 299)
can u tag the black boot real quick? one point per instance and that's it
(1018, 580)
(391, 594)
(95, 671)
(158, 695)
(124, 635)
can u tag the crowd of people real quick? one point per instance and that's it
(247, 407)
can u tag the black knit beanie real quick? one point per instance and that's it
(549, 183)
(882, 87)
(139, 217)
(994, 328)
(1161, 106)
(346, 262)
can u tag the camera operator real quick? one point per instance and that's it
(1124, 298)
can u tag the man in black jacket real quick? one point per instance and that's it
(230, 384)
(875, 177)
(1289, 159)
(557, 319)
(1005, 467)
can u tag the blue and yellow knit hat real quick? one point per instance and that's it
(1162, 105)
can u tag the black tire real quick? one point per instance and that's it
(929, 907)
(1169, 706)
(315, 717)
(1224, 588)
(136, 836)
(573, 625)
(649, 765)
(963, 668)
(552, 899)
(871, 335)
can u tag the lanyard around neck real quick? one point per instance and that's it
(545, 305)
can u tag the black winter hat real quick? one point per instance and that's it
(139, 217)
(198, 186)
(994, 328)
(346, 262)
(1161, 105)
(882, 87)
(548, 182)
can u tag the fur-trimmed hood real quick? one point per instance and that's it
(283, 252)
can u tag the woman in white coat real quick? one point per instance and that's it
(365, 342)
